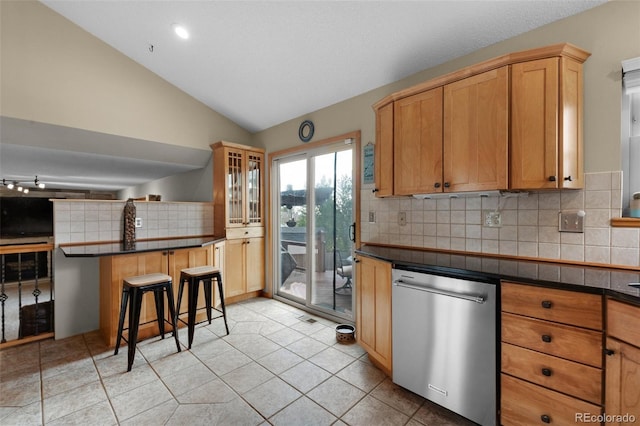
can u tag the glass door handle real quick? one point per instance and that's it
(352, 232)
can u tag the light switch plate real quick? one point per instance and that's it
(572, 221)
(402, 218)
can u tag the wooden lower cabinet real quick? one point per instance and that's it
(551, 356)
(114, 269)
(622, 389)
(244, 266)
(373, 310)
(524, 403)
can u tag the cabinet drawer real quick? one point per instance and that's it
(559, 374)
(523, 403)
(248, 232)
(622, 322)
(568, 307)
(561, 340)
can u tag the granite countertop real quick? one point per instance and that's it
(112, 249)
(577, 277)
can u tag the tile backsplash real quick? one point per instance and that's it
(82, 221)
(529, 223)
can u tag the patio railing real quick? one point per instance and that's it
(26, 293)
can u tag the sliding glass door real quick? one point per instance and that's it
(314, 202)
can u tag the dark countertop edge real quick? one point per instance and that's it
(494, 278)
(206, 241)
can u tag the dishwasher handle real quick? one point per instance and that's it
(469, 297)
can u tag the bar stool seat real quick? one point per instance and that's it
(133, 288)
(195, 275)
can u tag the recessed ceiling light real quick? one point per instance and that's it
(180, 31)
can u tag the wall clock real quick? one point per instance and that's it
(305, 131)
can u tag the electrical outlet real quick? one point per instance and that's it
(138, 222)
(372, 217)
(402, 218)
(571, 221)
(492, 219)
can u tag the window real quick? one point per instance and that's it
(630, 132)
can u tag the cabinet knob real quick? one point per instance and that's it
(436, 185)
(609, 352)
(248, 241)
(546, 304)
(447, 185)
(546, 372)
(545, 418)
(374, 190)
(356, 260)
(546, 338)
(552, 178)
(568, 178)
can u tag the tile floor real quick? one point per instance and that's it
(273, 368)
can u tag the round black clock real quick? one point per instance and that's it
(305, 132)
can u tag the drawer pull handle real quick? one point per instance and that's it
(546, 338)
(609, 352)
(546, 372)
(545, 418)
(546, 304)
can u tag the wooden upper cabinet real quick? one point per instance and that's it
(511, 122)
(417, 143)
(476, 130)
(383, 158)
(238, 181)
(546, 127)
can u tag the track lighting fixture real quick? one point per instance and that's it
(21, 186)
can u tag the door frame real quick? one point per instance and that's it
(271, 279)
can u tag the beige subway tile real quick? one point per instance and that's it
(625, 237)
(572, 200)
(490, 233)
(474, 245)
(508, 247)
(549, 250)
(597, 237)
(549, 201)
(473, 231)
(528, 249)
(528, 233)
(490, 246)
(597, 218)
(548, 218)
(548, 234)
(443, 243)
(597, 181)
(528, 203)
(528, 217)
(458, 230)
(572, 252)
(458, 204)
(458, 244)
(572, 238)
(597, 199)
(625, 256)
(597, 254)
(508, 233)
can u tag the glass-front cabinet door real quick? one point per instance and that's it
(254, 196)
(244, 188)
(235, 187)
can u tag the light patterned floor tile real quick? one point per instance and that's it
(336, 395)
(363, 375)
(332, 360)
(303, 411)
(280, 360)
(305, 376)
(247, 377)
(370, 411)
(271, 396)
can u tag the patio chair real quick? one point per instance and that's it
(344, 269)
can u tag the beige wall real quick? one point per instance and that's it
(611, 33)
(55, 72)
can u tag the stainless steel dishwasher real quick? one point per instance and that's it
(444, 341)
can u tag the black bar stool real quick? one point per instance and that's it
(194, 276)
(133, 288)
